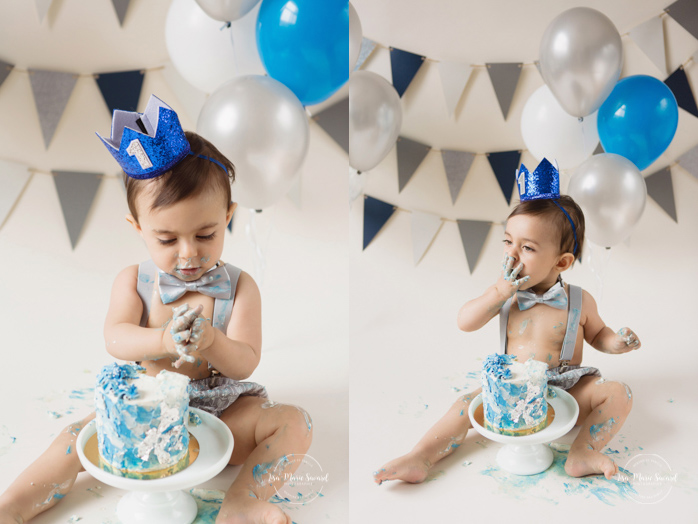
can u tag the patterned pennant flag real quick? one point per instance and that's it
(5, 70)
(51, 93)
(424, 229)
(404, 66)
(13, 180)
(504, 79)
(678, 83)
(367, 47)
(456, 164)
(689, 161)
(473, 234)
(335, 121)
(121, 90)
(410, 155)
(649, 36)
(376, 214)
(42, 7)
(661, 189)
(685, 12)
(76, 192)
(505, 164)
(454, 77)
(121, 6)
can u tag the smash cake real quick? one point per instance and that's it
(141, 421)
(513, 395)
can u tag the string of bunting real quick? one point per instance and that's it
(120, 6)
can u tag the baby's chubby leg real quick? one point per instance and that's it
(46, 480)
(439, 442)
(603, 408)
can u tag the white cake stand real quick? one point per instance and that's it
(162, 501)
(528, 454)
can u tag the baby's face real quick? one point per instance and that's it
(186, 238)
(533, 241)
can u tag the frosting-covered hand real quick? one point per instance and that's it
(627, 340)
(508, 283)
(183, 321)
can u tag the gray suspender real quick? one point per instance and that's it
(573, 316)
(144, 286)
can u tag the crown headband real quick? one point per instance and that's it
(543, 183)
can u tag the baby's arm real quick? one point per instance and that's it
(236, 353)
(479, 311)
(600, 336)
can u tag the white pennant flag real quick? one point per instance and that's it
(649, 36)
(454, 77)
(42, 7)
(13, 179)
(424, 229)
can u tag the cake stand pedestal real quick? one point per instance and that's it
(162, 501)
(529, 454)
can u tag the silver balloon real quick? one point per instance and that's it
(226, 10)
(261, 126)
(355, 37)
(375, 118)
(581, 56)
(612, 193)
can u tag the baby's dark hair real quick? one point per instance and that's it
(188, 178)
(546, 207)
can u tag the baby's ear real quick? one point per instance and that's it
(132, 220)
(565, 262)
(231, 209)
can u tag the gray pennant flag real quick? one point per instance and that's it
(473, 234)
(537, 64)
(685, 12)
(121, 6)
(599, 150)
(661, 189)
(335, 121)
(5, 70)
(504, 78)
(76, 192)
(649, 36)
(410, 154)
(51, 93)
(367, 47)
(457, 164)
(689, 161)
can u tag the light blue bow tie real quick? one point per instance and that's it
(214, 283)
(554, 297)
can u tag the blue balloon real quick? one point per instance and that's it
(638, 120)
(304, 44)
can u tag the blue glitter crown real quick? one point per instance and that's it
(147, 144)
(544, 182)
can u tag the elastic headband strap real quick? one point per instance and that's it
(574, 229)
(214, 161)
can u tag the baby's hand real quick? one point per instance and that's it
(202, 333)
(626, 341)
(183, 320)
(508, 284)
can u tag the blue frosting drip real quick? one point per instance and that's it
(113, 379)
(495, 365)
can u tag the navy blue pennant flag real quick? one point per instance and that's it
(678, 83)
(504, 164)
(404, 66)
(230, 224)
(121, 90)
(376, 214)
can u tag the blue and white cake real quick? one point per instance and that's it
(513, 395)
(141, 429)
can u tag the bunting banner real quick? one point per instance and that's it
(649, 37)
(661, 189)
(473, 234)
(121, 90)
(52, 90)
(76, 192)
(678, 83)
(504, 78)
(42, 7)
(689, 161)
(424, 229)
(454, 78)
(13, 180)
(404, 66)
(230, 224)
(505, 164)
(335, 121)
(121, 6)
(367, 47)
(410, 155)
(5, 70)
(599, 150)
(376, 214)
(456, 164)
(685, 12)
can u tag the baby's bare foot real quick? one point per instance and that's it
(581, 462)
(246, 509)
(410, 468)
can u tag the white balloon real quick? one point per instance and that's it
(355, 37)
(200, 51)
(550, 132)
(227, 10)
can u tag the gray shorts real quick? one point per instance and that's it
(216, 393)
(568, 378)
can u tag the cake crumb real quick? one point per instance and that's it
(194, 419)
(74, 518)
